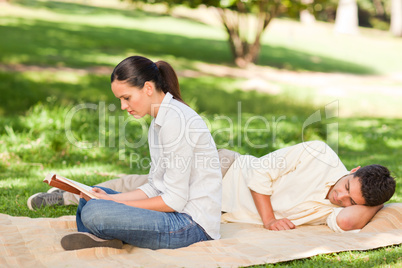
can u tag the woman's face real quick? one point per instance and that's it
(133, 99)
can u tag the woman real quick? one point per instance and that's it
(180, 205)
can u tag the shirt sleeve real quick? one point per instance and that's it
(333, 225)
(262, 172)
(256, 177)
(149, 189)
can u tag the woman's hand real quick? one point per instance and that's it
(99, 193)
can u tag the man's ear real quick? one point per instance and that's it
(355, 169)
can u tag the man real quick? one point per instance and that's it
(302, 184)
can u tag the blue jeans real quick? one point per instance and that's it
(136, 226)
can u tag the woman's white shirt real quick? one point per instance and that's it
(185, 169)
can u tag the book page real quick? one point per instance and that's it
(83, 186)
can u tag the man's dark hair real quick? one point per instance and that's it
(377, 184)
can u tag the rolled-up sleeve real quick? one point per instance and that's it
(149, 190)
(257, 178)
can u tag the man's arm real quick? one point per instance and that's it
(264, 207)
(356, 216)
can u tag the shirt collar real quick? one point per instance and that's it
(163, 108)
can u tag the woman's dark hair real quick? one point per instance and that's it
(377, 184)
(137, 70)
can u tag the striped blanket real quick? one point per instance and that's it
(27, 242)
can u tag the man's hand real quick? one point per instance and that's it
(279, 225)
(264, 207)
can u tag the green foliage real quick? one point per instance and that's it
(237, 18)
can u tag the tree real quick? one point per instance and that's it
(346, 20)
(306, 17)
(237, 20)
(396, 17)
(379, 8)
(245, 21)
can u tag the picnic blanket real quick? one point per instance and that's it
(35, 242)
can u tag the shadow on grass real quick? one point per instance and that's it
(283, 58)
(210, 98)
(20, 92)
(38, 42)
(81, 8)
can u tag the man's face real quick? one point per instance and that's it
(346, 192)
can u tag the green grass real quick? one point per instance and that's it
(37, 143)
(82, 35)
(67, 40)
(320, 49)
(384, 257)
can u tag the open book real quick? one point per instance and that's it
(68, 185)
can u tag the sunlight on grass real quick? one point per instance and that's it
(355, 143)
(90, 174)
(153, 22)
(15, 59)
(316, 40)
(69, 77)
(7, 183)
(394, 143)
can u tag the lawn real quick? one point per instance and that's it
(56, 55)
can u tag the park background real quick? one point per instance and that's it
(309, 83)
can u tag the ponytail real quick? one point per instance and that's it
(170, 83)
(137, 70)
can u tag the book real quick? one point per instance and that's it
(68, 185)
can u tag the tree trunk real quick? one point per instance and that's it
(244, 52)
(230, 21)
(396, 17)
(306, 17)
(346, 20)
(379, 8)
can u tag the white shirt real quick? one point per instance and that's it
(185, 169)
(297, 178)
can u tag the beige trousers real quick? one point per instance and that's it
(128, 183)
